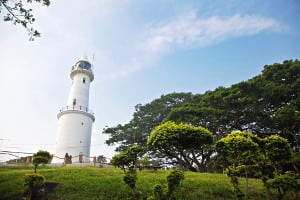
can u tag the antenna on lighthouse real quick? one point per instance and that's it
(93, 61)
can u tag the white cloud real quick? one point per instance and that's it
(188, 31)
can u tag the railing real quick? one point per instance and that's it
(77, 69)
(78, 108)
(82, 68)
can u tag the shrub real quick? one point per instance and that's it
(130, 179)
(158, 192)
(283, 184)
(32, 181)
(174, 179)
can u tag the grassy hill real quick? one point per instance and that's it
(106, 183)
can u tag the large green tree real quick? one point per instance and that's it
(185, 145)
(266, 104)
(145, 119)
(19, 12)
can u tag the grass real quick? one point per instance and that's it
(106, 183)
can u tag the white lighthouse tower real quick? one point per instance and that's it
(75, 120)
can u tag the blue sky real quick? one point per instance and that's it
(142, 49)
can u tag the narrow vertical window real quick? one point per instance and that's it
(83, 80)
(74, 102)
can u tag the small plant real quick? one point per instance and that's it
(158, 192)
(32, 181)
(130, 179)
(173, 179)
(284, 184)
(233, 174)
(127, 161)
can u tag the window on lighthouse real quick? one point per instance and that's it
(83, 80)
(74, 102)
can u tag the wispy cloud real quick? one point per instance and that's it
(185, 32)
(189, 31)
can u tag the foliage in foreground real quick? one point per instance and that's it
(127, 161)
(247, 155)
(32, 181)
(106, 184)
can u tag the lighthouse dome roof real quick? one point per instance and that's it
(84, 58)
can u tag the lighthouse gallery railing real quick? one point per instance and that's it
(79, 108)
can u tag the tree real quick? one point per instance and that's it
(239, 148)
(266, 104)
(41, 157)
(205, 110)
(185, 145)
(277, 149)
(267, 156)
(18, 12)
(145, 119)
(127, 159)
(101, 159)
(242, 150)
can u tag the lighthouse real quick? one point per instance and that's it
(75, 120)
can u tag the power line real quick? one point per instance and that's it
(15, 152)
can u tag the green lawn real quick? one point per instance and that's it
(106, 183)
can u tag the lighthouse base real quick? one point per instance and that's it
(73, 137)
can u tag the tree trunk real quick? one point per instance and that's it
(135, 194)
(35, 167)
(246, 185)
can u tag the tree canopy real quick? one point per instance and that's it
(145, 119)
(240, 148)
(41, 157)
(127, 159)
(185, 145)
(249, 155)
(19, 12)
(266, 104)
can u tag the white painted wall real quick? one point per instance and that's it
(79, 90)
(75, 121)
(73, 135)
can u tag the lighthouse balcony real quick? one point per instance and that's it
(79, 109)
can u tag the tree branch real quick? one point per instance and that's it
(9, 9)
